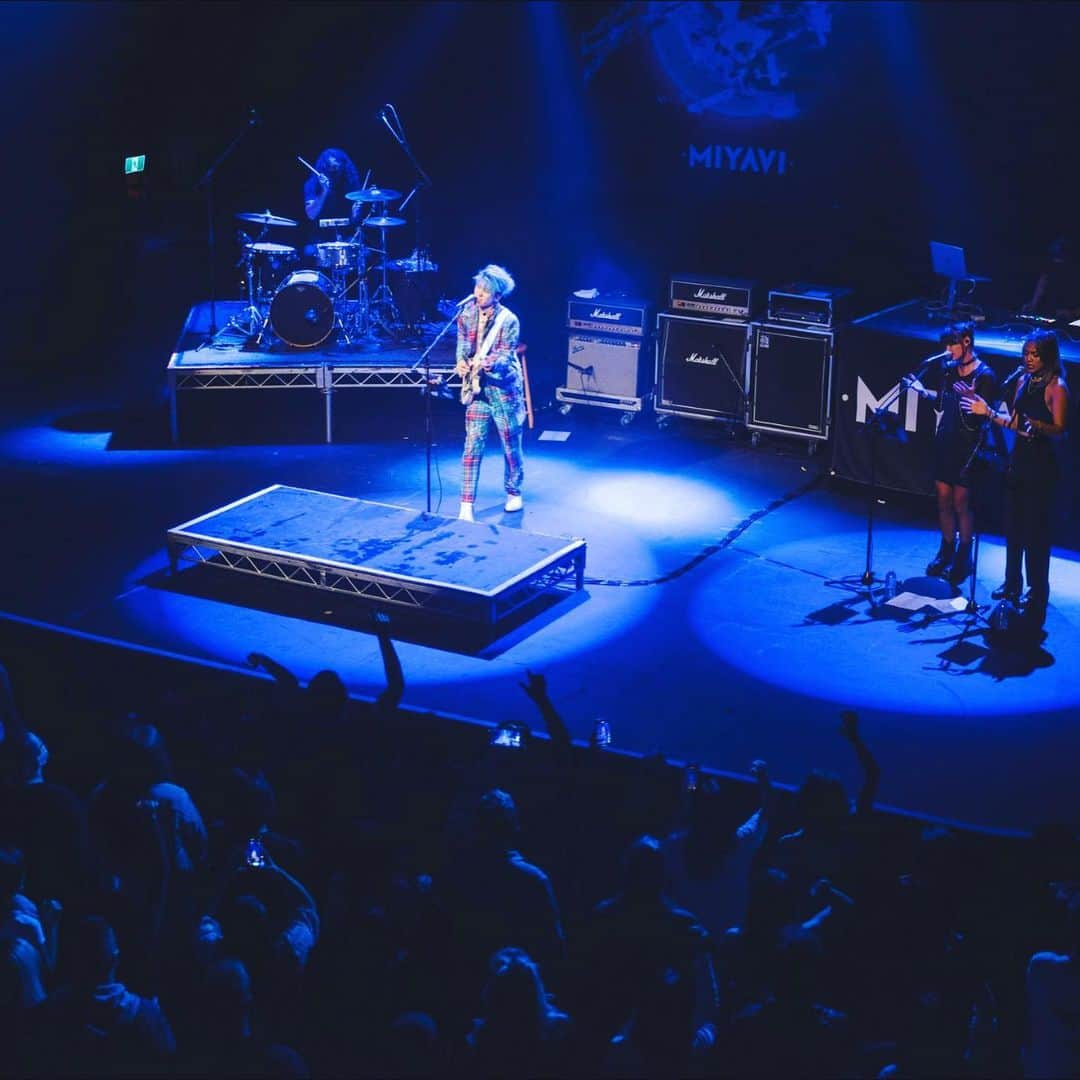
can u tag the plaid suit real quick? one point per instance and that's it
(501, 399)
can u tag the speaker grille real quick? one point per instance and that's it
(791, 377)
(605, 366)
(701, 366)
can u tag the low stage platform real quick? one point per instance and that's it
(228, 363)
(381, 553)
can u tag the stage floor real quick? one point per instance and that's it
(714, 625)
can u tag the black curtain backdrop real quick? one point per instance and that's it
(914, 122)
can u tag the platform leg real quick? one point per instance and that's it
(580, 567)
(174, 432)
(325, 381)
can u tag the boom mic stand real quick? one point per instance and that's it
(206, 182)
(885, 422)
(388, 115)
(430, 389)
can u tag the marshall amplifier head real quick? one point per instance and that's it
(722, 298)
(608, 315)
(809, 305)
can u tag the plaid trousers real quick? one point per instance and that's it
(505, 409)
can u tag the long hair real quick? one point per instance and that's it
(1047, 346)
(349, 173)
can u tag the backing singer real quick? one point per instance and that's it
(955, 444)
(1039, 416)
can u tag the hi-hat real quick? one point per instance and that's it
(266, 218)
(373, 194)
(382, 222)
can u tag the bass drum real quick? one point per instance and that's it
(302, 311)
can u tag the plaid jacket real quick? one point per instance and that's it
(505, 373)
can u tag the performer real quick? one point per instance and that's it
(324, 195)
(488, 364)
(1057, 290)
(955, 449)
(1039, 415)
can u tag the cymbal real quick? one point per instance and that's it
(373, 194)
(382, 222)
(412, 265)
(271, 249)
(266, 218)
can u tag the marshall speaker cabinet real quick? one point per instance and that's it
(701, 367)
(790, 380)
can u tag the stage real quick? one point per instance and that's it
(390, 556)
(230, 361)
(720, 618)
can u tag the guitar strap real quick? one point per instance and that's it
(492, 334)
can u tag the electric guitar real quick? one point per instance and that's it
(470, 382)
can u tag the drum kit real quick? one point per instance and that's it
(303, 306)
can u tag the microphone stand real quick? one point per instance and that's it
(397, 129)
(206, 182)
(425, 360)
(878, 427)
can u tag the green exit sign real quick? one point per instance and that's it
(134, 164)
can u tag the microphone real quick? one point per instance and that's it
(1012, 377)
(464, 300)
(943, 355)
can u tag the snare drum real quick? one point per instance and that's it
(272, 261)
(302, 311)
(337, 255)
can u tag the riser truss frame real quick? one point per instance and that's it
(323, 377)
(413, 595)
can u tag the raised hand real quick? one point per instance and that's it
(535, 686)
(849, 724)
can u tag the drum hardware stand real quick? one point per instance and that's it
(383, 308)
(206, 182)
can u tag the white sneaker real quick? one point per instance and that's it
(513, 502)
(465, 513)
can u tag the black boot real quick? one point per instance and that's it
(961, 566)
(941, 564)
(1006, 591)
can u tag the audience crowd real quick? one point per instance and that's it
(288, 883)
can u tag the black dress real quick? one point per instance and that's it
(1031, 483)
(958, 433)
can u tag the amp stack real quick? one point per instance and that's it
(605, 338)
(702, 346)
(791, 361)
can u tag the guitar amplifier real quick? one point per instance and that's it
(619, 315)
(604, 367)
(724, 298)
(809, 305)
